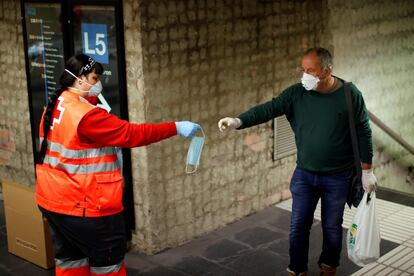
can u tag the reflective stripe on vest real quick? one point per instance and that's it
(85, 153)
(66, 264)
(80, 154)
(106, 269)
(81, 169)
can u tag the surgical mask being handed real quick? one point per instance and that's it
(95, 89)
(309, 82)
(194, 153)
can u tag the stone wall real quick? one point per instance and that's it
(203, 60)
(373, 47)
(16, 154)
(137, 106)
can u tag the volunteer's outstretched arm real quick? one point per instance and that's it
(104, 129)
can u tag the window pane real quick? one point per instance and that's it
(94, 34)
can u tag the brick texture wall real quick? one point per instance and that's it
(16, 158)
(373, 47)
(203, 60)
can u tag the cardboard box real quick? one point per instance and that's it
(28, 234)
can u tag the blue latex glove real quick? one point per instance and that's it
(187, 129)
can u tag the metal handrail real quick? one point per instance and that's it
(390, 132)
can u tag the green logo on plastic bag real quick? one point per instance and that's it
(352, 235)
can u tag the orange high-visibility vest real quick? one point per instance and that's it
(75, 178)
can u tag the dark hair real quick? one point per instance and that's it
(324, 56)
(78, 65)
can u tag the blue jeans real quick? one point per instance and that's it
(306, 188)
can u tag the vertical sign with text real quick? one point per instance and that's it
(45, 56)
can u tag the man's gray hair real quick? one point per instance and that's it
(324, 56)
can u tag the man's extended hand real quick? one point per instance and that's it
(369, 181)
(229, 123)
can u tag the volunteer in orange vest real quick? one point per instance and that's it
(79, 182)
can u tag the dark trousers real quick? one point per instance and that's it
(306, 188)
(101, 240)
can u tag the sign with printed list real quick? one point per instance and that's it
(45, 54)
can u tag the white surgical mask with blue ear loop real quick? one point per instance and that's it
(194, 153)
(95, 89)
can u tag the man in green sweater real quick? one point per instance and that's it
(317, 112)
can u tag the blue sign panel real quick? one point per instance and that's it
(95, 42)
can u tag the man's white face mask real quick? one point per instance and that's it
(309, 82)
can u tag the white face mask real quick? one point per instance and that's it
(95, 89)
(309, 82)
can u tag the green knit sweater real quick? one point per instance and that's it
(321, 127)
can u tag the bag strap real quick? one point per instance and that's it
(352, 128)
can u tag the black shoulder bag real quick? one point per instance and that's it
(356, 191)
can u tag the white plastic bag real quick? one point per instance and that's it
(363, 237)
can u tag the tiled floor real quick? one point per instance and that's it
(396, 225)
(256, 245)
